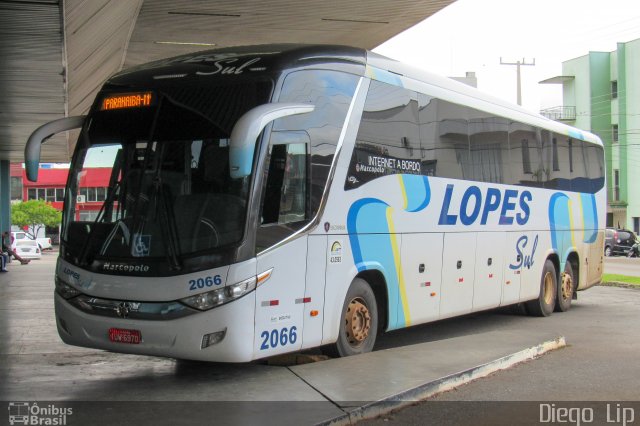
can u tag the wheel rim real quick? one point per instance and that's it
(567, 286)
(548, 288)
(358, 322)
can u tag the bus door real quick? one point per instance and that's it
(422, 270)
(313, 301)
(487, 287)
(458, 264)
(593, 258)
(282, 255)
(533, 258)
(279, 299)
(521, 250)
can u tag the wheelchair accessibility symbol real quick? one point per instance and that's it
(141, 245)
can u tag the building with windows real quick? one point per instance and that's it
(50, 187)
(601, 94)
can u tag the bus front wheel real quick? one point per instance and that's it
(543, 306)
(358, 322)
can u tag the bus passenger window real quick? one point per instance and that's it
(271, 204)
(294, 185)
(285, 195)
(331, 93)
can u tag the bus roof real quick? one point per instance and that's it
(228, 61)
(279, 57)
(456, 92)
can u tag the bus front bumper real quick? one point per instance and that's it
(181, 338)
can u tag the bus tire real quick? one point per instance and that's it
(358, 322)
(545, 303)
(565, 289)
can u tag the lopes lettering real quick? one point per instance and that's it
(474, 204)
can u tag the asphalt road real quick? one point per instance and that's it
(600, 364)
(597, 375)
(622, 265)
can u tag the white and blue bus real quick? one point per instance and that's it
(269, 199)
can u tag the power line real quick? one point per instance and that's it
(519, 83)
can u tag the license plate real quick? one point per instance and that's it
(122, 335)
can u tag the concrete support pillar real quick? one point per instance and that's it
(5, 195)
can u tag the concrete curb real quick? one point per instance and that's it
(619, 284)
(427, 390)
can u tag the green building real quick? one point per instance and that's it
(601, 94)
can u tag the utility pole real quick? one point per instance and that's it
(518, 64)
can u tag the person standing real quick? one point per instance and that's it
(6, 247)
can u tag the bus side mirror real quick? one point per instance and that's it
(40, 135)
(247, 129)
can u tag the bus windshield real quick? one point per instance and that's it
(151, 177)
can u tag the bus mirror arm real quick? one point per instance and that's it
(249, 126)
(40, 135)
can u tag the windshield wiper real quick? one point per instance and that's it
(99, 217)
(168, 221)
(106, 209)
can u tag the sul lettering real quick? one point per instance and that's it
(525, 260)
(228, 66)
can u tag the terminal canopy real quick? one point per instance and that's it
(52, 68)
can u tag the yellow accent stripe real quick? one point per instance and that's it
(370, 71)
(584, 230)
(398, 263)
(404, 192)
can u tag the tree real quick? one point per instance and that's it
(34, 214)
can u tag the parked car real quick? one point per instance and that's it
(44, 242)
(618, 241)
(27, 249)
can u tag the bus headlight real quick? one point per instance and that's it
(211, 299)
(65, 290)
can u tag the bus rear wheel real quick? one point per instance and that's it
(358, 322)
(545, 303)
(565, 289)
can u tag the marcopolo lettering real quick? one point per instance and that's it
(508, 205)
(122, 267)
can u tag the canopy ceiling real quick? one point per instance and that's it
(55, 54)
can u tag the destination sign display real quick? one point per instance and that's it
(126, 100)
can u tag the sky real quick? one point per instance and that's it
(472, 35)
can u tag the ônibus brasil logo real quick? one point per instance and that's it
(30, 413)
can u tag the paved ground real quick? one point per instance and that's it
(36, 366)
(600, 363)
(622, 265)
